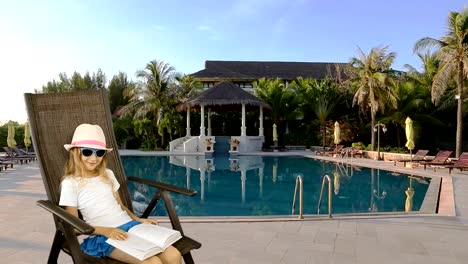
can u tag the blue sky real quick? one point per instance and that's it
(39, 39)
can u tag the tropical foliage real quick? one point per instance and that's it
(452, 51)
(374, 83)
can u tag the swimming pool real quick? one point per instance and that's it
(264, 186)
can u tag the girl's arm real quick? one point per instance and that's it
(109, 232)
(131, 214)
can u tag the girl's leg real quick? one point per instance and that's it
(170, 256)
(124, 257)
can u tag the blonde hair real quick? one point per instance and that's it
(74, 166)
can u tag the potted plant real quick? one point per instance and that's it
(208, 143)
(234, 166)
(234, 143)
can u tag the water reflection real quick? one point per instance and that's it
(255, 185)
(240, 164)
(376, 195)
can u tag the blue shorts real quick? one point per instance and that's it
(96, 245)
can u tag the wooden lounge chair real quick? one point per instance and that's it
(12, 157)
(53, 118)
(23, 153)
(420, 155)
(351, 152)
(336, 151)
(331, 151)
(440, 159)
(461, 163)
(6, 163)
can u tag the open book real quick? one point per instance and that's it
(146, 240)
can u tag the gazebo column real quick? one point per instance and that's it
(243, 128)
(188, 122)
(202, 184)
(202, 121)
(243, 179)
(260, 129)
(187, 175)
(209, 122)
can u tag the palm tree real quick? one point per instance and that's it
(319, 98)
(280, 96)
(374, 82)
(187, 87)
(117, 86)
(453, 55)
(149, 97)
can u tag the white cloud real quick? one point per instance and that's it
(204, 28)
(158, 27)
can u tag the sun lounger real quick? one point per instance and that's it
(420, 155)
(331, 152)
(12, 156)
(461, 163)
(440, 159)
(23, 153)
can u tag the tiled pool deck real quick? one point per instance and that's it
(26, 231)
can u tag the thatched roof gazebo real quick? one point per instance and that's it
(224, 96)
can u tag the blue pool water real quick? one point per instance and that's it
(257, 186)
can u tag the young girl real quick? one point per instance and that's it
(90, 187)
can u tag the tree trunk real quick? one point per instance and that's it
(372, 130)
(459, 141)
(324, 132)
(398, 136)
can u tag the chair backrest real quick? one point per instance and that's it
(442, 156)
(420, 154)
(462, 160)
(53, 118)
(9, 152)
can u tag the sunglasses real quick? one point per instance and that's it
(88, 152)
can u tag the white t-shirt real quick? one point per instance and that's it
(95, 199)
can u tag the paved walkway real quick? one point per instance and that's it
(26, 231)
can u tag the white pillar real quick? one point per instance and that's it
(188, 122)
(243, 178)
(260, 181)
(202, 184)
(260, 129)
(209, 121)
(243, 128)
(202, 121)
(187, 174)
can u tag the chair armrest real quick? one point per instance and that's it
(164, 186)
(72, 220)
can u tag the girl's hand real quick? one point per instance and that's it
(148, 221)
(115, 233)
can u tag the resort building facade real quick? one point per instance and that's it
(230, 83)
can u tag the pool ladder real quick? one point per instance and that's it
(298, 184)
(326, 179)
(299, 187)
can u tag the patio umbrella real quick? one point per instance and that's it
(275, 171)
(409, 198)
(27, 136)
(275, 135)
(409, 134)
(11, 136)
(337, 133)
(336, 182)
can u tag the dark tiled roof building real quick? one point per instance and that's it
(243, 73)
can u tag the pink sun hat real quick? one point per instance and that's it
(88, 136)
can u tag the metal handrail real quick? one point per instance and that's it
(298, 182)
(326, 178)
